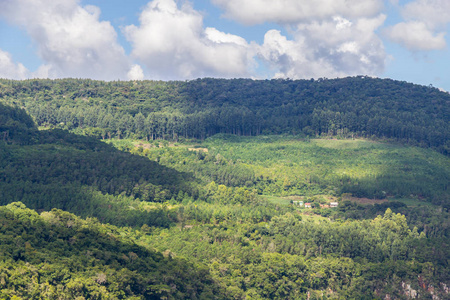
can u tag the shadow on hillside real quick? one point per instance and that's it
(408, 172)
(58, 169)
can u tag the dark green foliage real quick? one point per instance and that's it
(16, 125)
(354, 106)
(57, 169)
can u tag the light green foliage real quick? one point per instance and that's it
(275, 165)
(288, 256)
(57, 255)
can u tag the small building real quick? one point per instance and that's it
(334, 204)
(308, 205)
(324, 206)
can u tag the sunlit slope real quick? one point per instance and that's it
(57, 255)
(277, 165)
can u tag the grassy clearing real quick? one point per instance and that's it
(277, 200)
(347, 144)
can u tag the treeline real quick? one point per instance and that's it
(433, 222)
(354, 106)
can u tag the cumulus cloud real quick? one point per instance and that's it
(424, 25)
(331, 48)
(11, 70)
(135, 73)
(252, 12)
(322, 38)
(70, 39)
(416, 36)
(326, 38)
(172, 43)
(435, 13)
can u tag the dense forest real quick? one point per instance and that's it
(185, 210)
(348, 107)
(56, 255)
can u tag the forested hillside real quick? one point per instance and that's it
(354, 106)
(215, 218)
(56, 255)
(287, 165)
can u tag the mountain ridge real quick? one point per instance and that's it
(346, 107)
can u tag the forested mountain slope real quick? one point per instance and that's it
(56, 255)
(200, 108)
(199, 201)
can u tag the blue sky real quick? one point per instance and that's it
(178, 40)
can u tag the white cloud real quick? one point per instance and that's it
(327, 38)
(219, 37)
(252, 12)
(435, 13)
(332, 48)
(416, 36)
(173, 44)
(11, 70)
(43, 71)
(70, 39)
(424, 26)
(135, 73)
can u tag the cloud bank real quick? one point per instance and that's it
(70, 39)
(327, 38)
(172, 43)
(320, 38)
(11, 70)
(331, 48)
(424, 25)
(251, 12)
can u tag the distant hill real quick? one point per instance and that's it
(353, 106)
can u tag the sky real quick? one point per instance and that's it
(404, 40)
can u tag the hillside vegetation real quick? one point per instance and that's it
(292, 165)
(56, 255)
(348, 107)
(212, 218)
